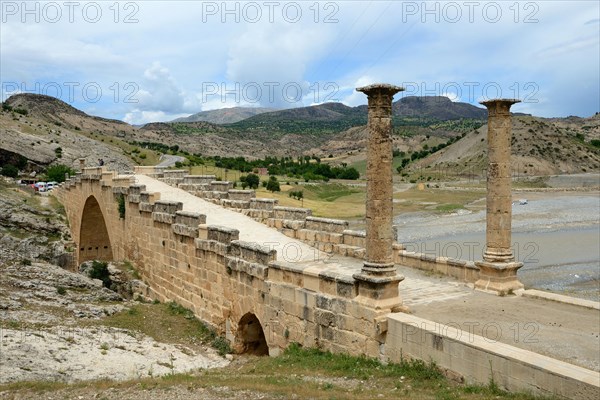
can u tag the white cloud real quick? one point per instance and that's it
(138, 117)
(354, 98)
(180, 53)
(275, 58)
(160, 98)
(452, 96)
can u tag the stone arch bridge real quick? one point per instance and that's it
(267, 276)
(257, 285)
(265, 289)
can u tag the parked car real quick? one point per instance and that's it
(51, 185)
(41, 187)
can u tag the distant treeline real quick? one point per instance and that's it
(307, 168)
(278, 126)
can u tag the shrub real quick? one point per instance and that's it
(121, 205)
(296, 194)
(10, 170)
(252, 181)
(57, 172)
(100, 271)
(273, 184)
(221, 345)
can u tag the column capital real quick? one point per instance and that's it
(383, 88)
(380, 96)
(499, 106)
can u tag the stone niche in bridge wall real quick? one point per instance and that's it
(228, 283)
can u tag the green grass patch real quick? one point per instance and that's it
(448, 208)
(297, 373)
(329, 192)
(168, 323)
(539, 182)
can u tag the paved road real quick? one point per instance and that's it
(167, 160)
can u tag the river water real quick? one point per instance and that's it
(564, 261)
(556, 236)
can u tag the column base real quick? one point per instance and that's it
(379, 269)
(380, 292)
(498, 277)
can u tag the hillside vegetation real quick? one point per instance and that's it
(431, 134)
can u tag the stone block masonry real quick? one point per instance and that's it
(222, 279)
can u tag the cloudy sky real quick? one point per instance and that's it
(142, 61)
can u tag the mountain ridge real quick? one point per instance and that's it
(224, 115)
(329, 130)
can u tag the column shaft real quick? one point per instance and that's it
(499, 198)
(379, 208)
(378, 279)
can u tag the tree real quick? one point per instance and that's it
(252, 180)
(10, 170)
(56, 173)
(273, 184)
(296, 194)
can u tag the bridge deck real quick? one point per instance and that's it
(250, 230)
(562, 331)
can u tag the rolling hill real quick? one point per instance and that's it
(46, 130)
(539, 146)
(225, 115)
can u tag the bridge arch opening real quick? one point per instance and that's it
(251, 337)
(94, 242)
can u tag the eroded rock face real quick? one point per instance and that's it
(31, 229)
(53, 321)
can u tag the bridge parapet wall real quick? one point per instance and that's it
(153, 171)
(174, 177)
(328, 235)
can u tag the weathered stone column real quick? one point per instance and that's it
(378, 279)
(498, 270)
(81, 164)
